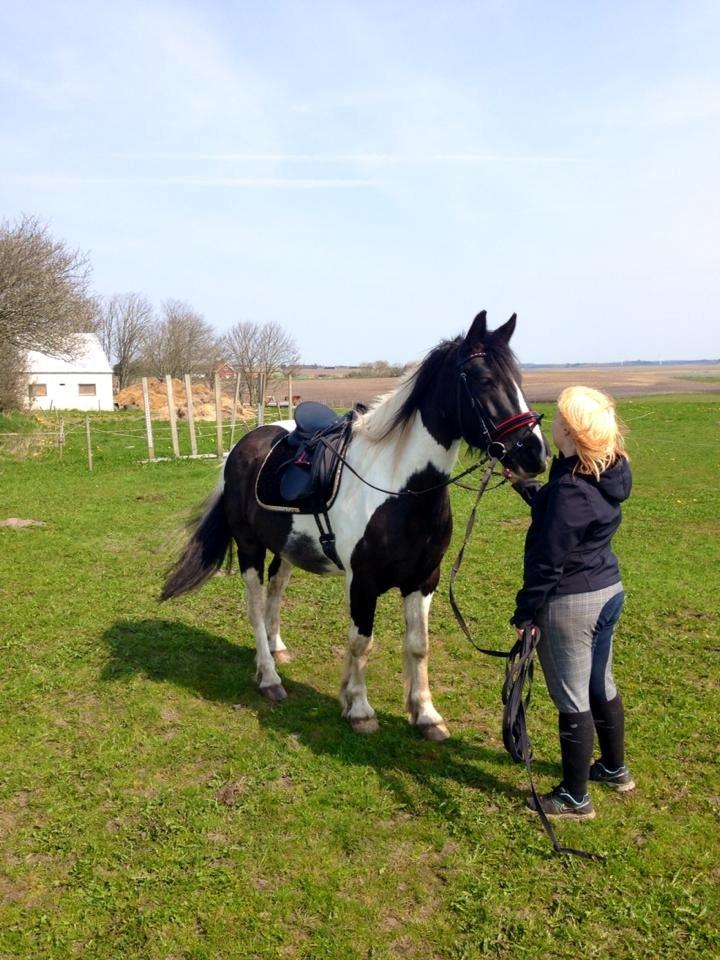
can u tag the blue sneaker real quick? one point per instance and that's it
(619, 780)
(560, 805)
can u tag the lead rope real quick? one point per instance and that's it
(518, 672)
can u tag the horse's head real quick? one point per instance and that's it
(493, 414)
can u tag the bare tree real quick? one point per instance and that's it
(181, 342)
(254, 348)
(124, 321)
(44, 298)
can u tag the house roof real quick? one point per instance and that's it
(90, 358)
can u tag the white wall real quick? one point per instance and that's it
(63, 391)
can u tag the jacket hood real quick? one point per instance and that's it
(615, 483)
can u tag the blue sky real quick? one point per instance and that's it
(371, 174)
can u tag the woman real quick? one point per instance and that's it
(572, 591)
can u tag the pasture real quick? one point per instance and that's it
(154, 806)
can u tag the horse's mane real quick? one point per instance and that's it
(394, 410)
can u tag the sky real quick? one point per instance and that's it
(371, 174)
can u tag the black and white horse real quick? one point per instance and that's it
(467, 389)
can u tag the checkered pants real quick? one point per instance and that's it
(575, 648)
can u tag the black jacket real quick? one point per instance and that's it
(567, 549)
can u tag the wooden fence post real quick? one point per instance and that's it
(148, 419)
(236, 397)
(261, 400)
(89, 445)
(218, 417)
(171, 414)
(190, 415)
(61, 437)
(290, 402)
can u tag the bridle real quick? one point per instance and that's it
(492, 446)
(493, 434)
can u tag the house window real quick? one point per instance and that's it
(37, 389)
(87, 389)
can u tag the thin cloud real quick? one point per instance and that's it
(376, 158)
(263, 183)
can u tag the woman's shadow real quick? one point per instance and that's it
(217, 670)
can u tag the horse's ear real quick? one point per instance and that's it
(478, 329)
(507, 329)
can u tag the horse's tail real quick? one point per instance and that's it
(205, 551)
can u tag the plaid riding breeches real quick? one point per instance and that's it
(575, 648)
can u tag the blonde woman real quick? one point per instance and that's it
(572, 591)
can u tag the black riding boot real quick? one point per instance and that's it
(609, 717)
(577, 736)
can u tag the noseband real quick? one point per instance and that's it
(494, 435)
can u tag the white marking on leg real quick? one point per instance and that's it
(353, 691)
(418, 699)
(267, 675)
(275, 590)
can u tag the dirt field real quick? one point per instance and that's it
(540, 385)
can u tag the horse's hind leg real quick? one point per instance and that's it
(353, 691)
(278, 576)
(252, 566)
(421, 711)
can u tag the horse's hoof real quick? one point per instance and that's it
(364, 725)
(436, 732)
(276, 692)
(282, 656)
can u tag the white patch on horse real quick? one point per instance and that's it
(421, 711)
(524, 408)
(267, 675)
(353, 689)
(275, 590)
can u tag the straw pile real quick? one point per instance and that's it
(203, 400)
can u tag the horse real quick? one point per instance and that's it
(391, 516)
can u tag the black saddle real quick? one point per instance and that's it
(301, 473)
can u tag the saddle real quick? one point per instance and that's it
(301, 473)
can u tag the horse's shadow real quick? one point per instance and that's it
(217, 670)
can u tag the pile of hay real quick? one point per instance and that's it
(203, 400)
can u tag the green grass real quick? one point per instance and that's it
(699, 377)
(153, 805)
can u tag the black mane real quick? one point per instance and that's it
(451, 353)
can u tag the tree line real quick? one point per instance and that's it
(46, 300)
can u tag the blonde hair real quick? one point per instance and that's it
(594, 427)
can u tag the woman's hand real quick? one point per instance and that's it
(521, 630)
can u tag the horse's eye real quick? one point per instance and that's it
(479, 376)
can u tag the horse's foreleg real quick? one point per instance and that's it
(278, 577)
(353, 691)
(418, 699)
(267, 676)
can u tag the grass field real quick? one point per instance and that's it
(153, 805)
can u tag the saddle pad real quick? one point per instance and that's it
(267, 485)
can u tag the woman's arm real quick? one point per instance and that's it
(566, 518)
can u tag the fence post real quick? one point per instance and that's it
(190, 415)
(261, 400)
(61, 437)
(290, 403)
(171, 414)
(234, 411)
(148, 419)
(218, 417)
(89, 445)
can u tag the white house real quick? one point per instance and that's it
(83, 383)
